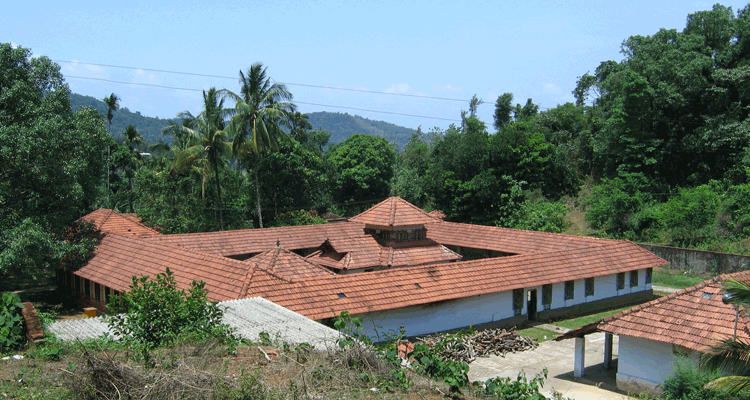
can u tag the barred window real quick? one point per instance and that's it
(546, 296)
(633, 278)
(86, 287)
(621, 281)
(97, 291)
(589, 287)
(517, 301)
(570, 290)
(649, 272)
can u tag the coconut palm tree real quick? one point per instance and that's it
(732, 355)
(113, 104)
(205, 142)
(298, 126)
(259, 109)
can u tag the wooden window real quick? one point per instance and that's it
(107, 292)
(87, 287)
(547, 296)
(621, 281)
(649, 272)
(517, 301)
(589, 287)
(633, 278)
(570, 290)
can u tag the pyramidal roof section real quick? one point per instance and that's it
(111, 221)
(287, 264)
(394, 212)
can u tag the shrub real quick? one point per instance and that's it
(156, 312)
(11, 322)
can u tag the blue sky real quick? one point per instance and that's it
(447, 49)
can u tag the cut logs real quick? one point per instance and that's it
(467, 347)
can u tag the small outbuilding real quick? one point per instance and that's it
(687, 323)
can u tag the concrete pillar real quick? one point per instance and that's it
(608, 350)
(579, 357)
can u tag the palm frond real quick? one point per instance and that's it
(730, 356)
(732, 384)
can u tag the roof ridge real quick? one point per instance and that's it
(392, 217)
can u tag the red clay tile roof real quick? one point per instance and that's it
(118, 258)
(286, 264)
(437, 214)
(253, 241)
(106, 220)
(326, 297)
(694, 318)
(394, 212)
(365, 252)
(513, 241)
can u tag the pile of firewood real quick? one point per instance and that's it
(467, 347)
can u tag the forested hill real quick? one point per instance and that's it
(341, 125)
(149, 127)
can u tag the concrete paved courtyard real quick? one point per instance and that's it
(557, 357)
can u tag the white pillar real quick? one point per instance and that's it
(579, 357)
(608, 350)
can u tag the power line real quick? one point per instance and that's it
(298, 102)
(285, 83)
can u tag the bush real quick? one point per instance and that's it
(156, 312)
(11, 322)
(687, 382)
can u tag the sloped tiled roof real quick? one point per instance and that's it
(695, 318)
(325, 297)
(251, 241)
(106, 220)
(286, 264)
(393, 212)
(365, 252)
(514, 241)
(118, 258)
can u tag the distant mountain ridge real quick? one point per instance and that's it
(341, 125)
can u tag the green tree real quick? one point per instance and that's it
(363, 166)
(51, 163)
(208, 141)
(503, 110)
(260, 108)
(113, 104)
(155, 311)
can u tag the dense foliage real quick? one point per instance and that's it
(156, 312)
(11, 323)
(52, 161)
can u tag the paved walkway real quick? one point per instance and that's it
(597, 383)
(665, 289)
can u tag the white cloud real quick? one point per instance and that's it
(398, 88)
(142, 76)
(551, 87)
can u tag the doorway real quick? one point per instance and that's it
(531, 304)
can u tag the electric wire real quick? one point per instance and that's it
(296, 102)
(284, 83)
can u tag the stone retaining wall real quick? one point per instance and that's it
(700, 261)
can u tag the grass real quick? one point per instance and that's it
(578, 322)
(675, 279)
(539, 334)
